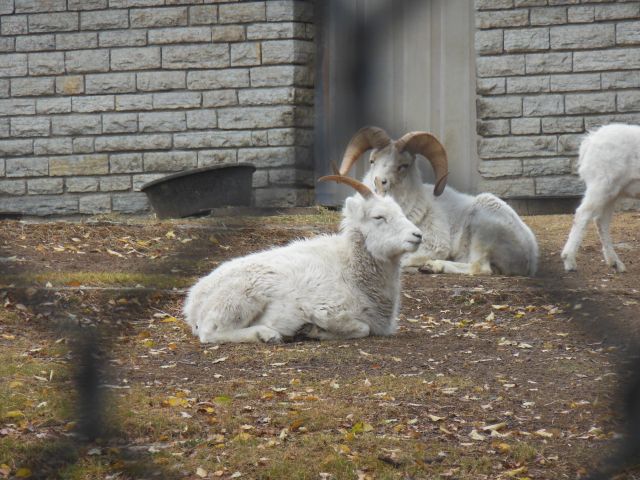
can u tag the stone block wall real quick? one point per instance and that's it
(547, 71)
(98, 97)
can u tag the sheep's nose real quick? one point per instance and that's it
(418, 235)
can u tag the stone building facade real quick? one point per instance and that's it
(547, 71)
(98, 97)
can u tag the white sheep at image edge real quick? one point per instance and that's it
(330, 287)
(609, 165)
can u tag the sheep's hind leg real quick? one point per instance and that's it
(603, 223)
(591, 207)
(361, 330)
(340, 327)
(256, 333)
(574, 240)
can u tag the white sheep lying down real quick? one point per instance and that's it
(609, 164)
(330, 287)
(462, 233)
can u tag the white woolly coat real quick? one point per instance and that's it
(609, 164)
(333, 286)
(310, 281)
(610, 158)
(460, 227)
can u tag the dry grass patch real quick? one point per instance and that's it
(97, 279)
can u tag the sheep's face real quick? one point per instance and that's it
(387, 232)
(392, 167)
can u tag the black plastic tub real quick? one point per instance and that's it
(196, 192)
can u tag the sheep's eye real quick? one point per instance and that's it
(379, 217)
(371, 160)
(402, 168)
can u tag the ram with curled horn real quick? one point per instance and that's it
(462, 233)
(329, 287)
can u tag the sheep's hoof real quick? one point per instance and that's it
(410, 269)
(569, 264)
(432, 266)
(271, 337)
(619, 267)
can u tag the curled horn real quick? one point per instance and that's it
(427, 145)
(359, 187)
(365, 139)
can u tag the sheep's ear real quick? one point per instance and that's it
(352, 207)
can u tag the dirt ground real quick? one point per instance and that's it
(487, 378)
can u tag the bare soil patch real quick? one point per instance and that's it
(488, 377)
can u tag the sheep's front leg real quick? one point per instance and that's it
(446, 266)
(414, 261)
(425, 253)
